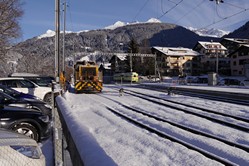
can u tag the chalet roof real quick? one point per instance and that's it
(122, 57)
(242, 46)
(177, 51)
(238, 40)
(206, 45)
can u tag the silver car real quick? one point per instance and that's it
(18, 149)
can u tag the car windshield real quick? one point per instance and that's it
(42, 82)
(26, 84)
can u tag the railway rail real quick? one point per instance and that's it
(176, 104)
(231, 97)
(217, 135)
(130, 118)
(243, 126)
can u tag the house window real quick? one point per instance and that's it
(234, 63)
(242, 62)
(235, 71)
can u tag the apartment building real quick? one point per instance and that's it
(174, 61)
(213, 57)
(239, 61)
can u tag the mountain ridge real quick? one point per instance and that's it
(109, 40)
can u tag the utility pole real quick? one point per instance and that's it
(64, 29)
(217, 60)
(57, 39)
(131, 65)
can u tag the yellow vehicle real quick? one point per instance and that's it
(87, 77)
(126, 77)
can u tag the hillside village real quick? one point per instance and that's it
(178, 51)
(230, 57)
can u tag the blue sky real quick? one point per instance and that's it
(39, 15)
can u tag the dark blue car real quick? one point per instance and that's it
(16, 94)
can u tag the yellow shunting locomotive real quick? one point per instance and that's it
(87, 76)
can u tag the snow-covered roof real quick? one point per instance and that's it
(107, 65)
(122, 57)
(177, 51)
(207, 44)
(237, 40)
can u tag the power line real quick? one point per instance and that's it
(217, 12)
(140, 10)
(190, 11)
(233, 5)
(164, 13)
(70, 15)
(227, 17)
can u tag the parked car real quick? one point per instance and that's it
(187, 79)
(27, 121)
(44, 81)
(17, 149)
(16, 94)
(202, 79)
(228, 82)
(245, 83)
(39, 105)
(26, 86)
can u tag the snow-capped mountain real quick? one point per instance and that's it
(51, 33)
(209, 32)
(121, 24)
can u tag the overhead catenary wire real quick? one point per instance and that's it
(164, 13)
(217, 12)
(190, 11)
(139, 11)
(227, 17)
(70, 16)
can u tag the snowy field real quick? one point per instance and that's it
(127, 144)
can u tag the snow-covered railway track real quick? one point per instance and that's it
(239, 123)
(188, 105)
(163, 134)
(192, 130)
(232, 98)
(215, 141)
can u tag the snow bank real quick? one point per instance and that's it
(89, 150)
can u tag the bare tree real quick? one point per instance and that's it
(10, 13)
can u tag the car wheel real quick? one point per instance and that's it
(27, 129)
(48, 98)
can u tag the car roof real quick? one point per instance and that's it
(8, 137)
(16, 78)
(23, 75)
(12, 78)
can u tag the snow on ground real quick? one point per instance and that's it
(127, 144)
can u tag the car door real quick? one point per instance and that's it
(23, 86)
(26, 86)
